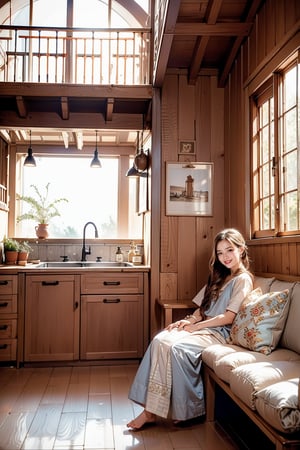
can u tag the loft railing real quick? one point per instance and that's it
(77, 55)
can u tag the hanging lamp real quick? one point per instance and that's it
(95, 163)
(133, 172)
(29, 160)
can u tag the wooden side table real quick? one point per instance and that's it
(168, 306)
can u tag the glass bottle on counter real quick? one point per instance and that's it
(119, 255)
(137, 257)
(131, 251)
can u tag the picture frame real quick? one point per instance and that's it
(189, 189)
(187, 147)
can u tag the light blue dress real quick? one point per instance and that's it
(168, 381)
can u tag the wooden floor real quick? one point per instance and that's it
(87, 408)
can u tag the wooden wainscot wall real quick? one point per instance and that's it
(189, 113)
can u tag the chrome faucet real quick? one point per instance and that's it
(87, 250)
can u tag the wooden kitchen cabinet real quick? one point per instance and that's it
(113, 322)
(8, 317)
(51, 330)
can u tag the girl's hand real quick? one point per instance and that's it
(179, 325)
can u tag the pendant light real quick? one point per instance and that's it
(133, 172)
(29, 160)
(95, 163)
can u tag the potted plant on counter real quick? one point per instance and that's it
(24, 250)
(11, 250)
(42, 210)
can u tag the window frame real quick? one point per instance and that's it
(272, 88)
(125, 161)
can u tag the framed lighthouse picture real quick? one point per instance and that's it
(189, 189)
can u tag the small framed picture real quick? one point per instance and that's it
(189, 189)
(187, 147)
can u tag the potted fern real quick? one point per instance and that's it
(42, 210)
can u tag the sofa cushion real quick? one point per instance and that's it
(260, 321)
(222, 359)
(290, 336)
(263, 282)
(245, 381)
(278, 405)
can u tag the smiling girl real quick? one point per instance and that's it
(168, 381)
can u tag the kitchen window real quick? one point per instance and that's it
(276, 154)
(97, 195)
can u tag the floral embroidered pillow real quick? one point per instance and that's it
(260, 321)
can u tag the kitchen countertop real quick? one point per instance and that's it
(35, 269)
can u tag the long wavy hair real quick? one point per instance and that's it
(219, 272)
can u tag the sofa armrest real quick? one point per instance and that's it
(168, 306)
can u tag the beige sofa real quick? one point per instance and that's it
(265, 385)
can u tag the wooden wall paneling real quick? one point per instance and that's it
(264, 259)
(203, 119)
(187, 268)
(269, 25)
(293, 259)
(292, 13)
(186, 110)
(168, 286)
(245, 60)
(280, 8)
(270, 258)
(278, 259)
(169, 117)
(235, 151)
(217, 153)
(227, 123)
(206, 230)
(169, 244)
(169, 231)
(252, 41)
(261, 32)
(283, 249)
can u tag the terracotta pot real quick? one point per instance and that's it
(11, 257)
(22, 257)
(41, 231)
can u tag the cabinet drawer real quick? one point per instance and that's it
(112, 283)
(8, 284)
(8, 329)
(8, 304)
(8, 349)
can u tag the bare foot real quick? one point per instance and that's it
(141, 420)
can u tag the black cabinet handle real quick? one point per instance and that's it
(111, 300)
(3, 283)
(50, 283)
(3, 346)
(3, 304)
(3, 327)
(112, 283)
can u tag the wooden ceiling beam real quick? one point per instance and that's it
(253, 8)
(65, 136)
(213, 11)
(109, 108)
(78, 137)
(163, 38)
(21, 106)
(211, 30)
(64, 108)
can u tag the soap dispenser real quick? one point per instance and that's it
(119, 255)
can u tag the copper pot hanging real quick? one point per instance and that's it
(141, 161)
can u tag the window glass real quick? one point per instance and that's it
(92, 195)
(276, 174)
